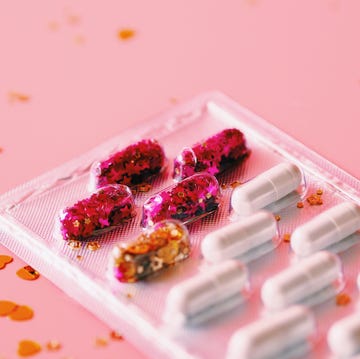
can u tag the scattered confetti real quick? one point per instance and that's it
(319, 192)
(314, 200)
(300, 205)
(28, 273)
(277, 217)
(53, 345)
(286, 237)
(74, 244)
(101, 342)
(93, 246)
(21, 312)
(126, 34)
(4, 260)
(28, 347)
(7, 307)
(18, 97)
(115, 335)
(342, 299)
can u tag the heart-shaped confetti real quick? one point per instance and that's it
(4, 260)
(22, 312)
(7, 307)
(28, 273)
(28, 347)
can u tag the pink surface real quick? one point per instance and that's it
(294, 63)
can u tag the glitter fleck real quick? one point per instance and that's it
(93, 246)
(53, 345)
(277, 217)
(235, 184)
(74, 244)
(343, 299)
(28, 347)
(28, 273)
(314, 200)
(319, 192)
(116, 335)
(286, 237)
(4, 260)
(126, 34)
(101, 342)
(300, 205)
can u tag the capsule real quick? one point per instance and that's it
(326, 229)
(131, 166)
(204, 292)
(344, 336)
(266, 188)
(239, 237)
(188, 200)
(105, 209)
(213, 155)
(156, 249)
(302, 280)
(273, 336)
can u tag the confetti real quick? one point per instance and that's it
(74, 244)
(101, 342)
(53, 345)
(277, 217)
(286, 237)
(7, 307)
(4, 260)
(300, 205)
(22, 312)
(319, 192)
(342, 299)
(235, 184)
(126, 34)
(28, 347)
(18, 97)
(79, 258)
(28, 273)
(93, 246)
(314, 200)
(115, 335)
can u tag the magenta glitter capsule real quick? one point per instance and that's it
(157, 248)
(131, 166)
(186, 201)
(213, 155)
(107, 208)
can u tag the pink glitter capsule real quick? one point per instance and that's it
(213, 155)
(131, 166)
(188, 200)
(105, 209)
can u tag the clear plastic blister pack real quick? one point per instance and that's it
(29, 216)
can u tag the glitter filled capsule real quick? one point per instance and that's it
(131, 166)
(213, 155)
(273, 336)
(266, 188)
(186, 201)
(157, 248)
(107, 208)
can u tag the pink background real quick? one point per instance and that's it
(296, 63)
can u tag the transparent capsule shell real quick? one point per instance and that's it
(155, 249)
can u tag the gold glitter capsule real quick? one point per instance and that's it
(277, 217)
(286, 237)
(28, 273)
(93, 246)
(74, 244)
(208, 195)
(319, 192)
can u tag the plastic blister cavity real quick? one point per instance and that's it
(266, 188)
(344, 336)
(186, 201)
(309, 281)
(161, 246)
(245, 239)
(104, 210)
(212, 155)
(284, 335)
(188, 302)
(131, 166)
(326, 229)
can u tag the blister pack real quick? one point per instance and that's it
(236, 242)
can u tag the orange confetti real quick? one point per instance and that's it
(101, 342)
(319, 192)
(277, 217)
(18, 97)
(314, 200)
(22, 312)
(115, 335)
(4, 260)
(343, 299)
(126, 34)
(27, 348)
(235, 184)
(28, 273)
(286, 237)
(7, 307)
(300, 205)
(93, 246)
(53, 345)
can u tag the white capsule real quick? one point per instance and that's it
(326, 229)
(266, 188)
(272, 336)
(344, 336)
(239, 237)
(302, 280)
(204, 291)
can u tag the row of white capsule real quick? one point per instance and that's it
(320, 272)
